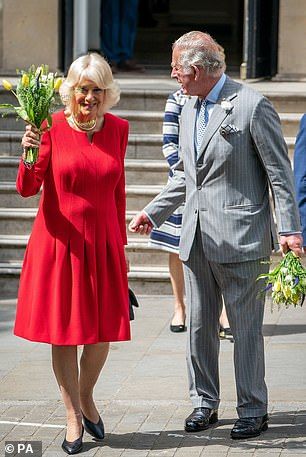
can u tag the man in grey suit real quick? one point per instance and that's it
(232, 150)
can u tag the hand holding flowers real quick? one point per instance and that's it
(35, 94)
(287, 282)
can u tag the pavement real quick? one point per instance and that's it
(142, 392)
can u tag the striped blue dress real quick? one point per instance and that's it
(167, 236)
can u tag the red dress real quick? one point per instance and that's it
(73, 286)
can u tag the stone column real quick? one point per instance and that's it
(292, 40)
(29, 34)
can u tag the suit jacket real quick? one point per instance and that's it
(300, 173)
(227, 186)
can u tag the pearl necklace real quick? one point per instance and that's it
(85, 126)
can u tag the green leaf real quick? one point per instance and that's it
(22, 113)
(49, 120)
(6, 105)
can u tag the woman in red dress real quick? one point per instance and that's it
(73, 286)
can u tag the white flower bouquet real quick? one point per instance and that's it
(287, 282)
(35, 93)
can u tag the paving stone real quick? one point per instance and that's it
(142, 393)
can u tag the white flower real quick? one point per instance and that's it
(226, 105)
(288, 278)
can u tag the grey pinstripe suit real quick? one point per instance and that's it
(226, 232)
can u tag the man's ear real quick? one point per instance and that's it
(196, 71)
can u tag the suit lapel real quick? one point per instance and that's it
(218, 115)
(190, 116)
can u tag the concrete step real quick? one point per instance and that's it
(12, 248)
(150, 122)
(290, 123)
(156, 99)
(11, 122)
(143, 124)
(10, 142)
(150, 99)
(143, 280)
(11, 199)
(140, 145)
(19, 221)
(146, 172)
(137, 196)
(138, 171)
(142, 121)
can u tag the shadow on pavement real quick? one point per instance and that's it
(273, 330)
(285, 431)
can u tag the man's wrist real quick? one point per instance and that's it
(150, 219)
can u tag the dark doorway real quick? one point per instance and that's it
(161, 22)
(65, 34)
(261, 38)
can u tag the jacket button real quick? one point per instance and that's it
(195, 211)
(199, 187)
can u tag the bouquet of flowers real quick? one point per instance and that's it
(287, 282)
(35, 93)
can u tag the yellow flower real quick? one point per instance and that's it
(25, 80)
(7, 85)
(277, 286)
(57, 84)
(287, 291)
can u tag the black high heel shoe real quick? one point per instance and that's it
(73, 447)
(95, 430)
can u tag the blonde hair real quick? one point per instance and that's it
(94, 68)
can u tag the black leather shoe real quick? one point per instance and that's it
(73, 447)
(248, 427)
(200, 419)
(95, 430)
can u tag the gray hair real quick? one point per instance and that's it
(200, 49)
(95, 68)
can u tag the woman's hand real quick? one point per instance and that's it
(30, 139)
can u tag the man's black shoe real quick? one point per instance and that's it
(200, 419)
(248, 427)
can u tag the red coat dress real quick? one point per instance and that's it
(73, 286)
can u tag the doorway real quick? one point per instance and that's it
(161, 22)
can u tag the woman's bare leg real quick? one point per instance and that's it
(65, 366)
(177, 281)
(91, 364)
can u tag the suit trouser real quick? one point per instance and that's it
(206, 282)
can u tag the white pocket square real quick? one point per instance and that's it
(227, 129)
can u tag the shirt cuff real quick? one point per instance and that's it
(289, 233)
(150, 219)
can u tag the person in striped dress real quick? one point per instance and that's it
(167, 236)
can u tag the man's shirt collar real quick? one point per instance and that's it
(213, 95)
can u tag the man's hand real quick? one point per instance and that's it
(292, 242)
(141, 224)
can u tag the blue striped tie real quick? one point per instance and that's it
(201, 122)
